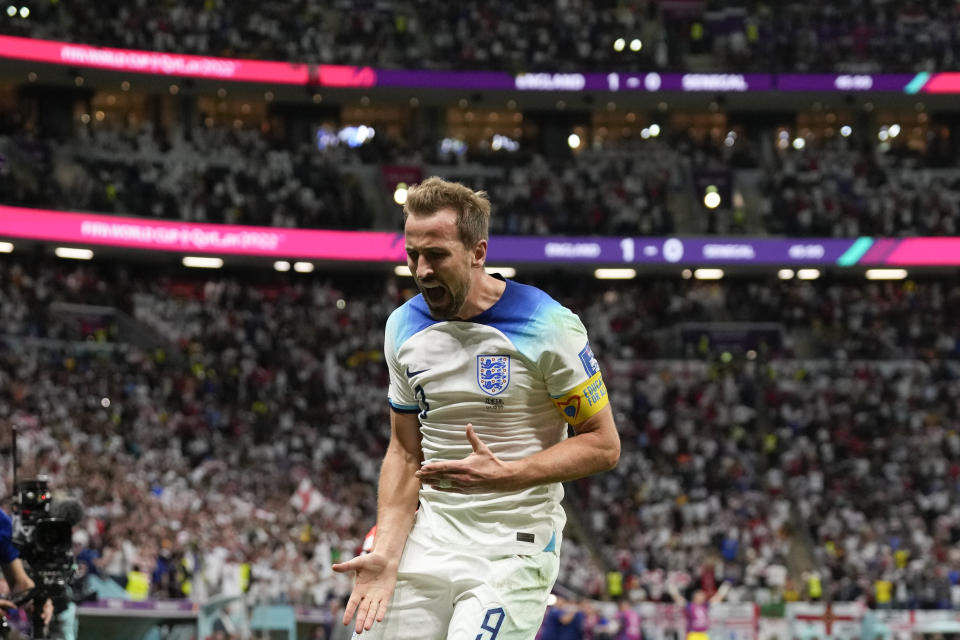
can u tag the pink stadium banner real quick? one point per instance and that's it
(351, 76)
(171, 64)
(945, 82)
(377, 246)
(184, 237)
(924, 252)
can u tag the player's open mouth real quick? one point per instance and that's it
(435, 294)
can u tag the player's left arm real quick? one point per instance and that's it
(594, 448)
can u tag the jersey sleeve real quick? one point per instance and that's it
(570, 369)
(401, 397)
(8, 552)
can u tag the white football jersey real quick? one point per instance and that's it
(519, 372)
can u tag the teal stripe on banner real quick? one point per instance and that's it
(852, 255)
(917, 83)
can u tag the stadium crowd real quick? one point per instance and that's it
(245, 176)
(211, 175)
(870, 451)
(564, 35)
(843, 193)
(244, 452)
(234, 176)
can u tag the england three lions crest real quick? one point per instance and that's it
(493, 374)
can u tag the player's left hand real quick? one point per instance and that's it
(479, 472)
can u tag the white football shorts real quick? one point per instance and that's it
(450, 594)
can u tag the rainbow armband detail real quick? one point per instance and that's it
(584, 401)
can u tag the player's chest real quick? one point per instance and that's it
(462, 366)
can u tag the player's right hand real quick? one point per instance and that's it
(372, 590)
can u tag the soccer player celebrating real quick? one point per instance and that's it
(485, 375)
(697, 613)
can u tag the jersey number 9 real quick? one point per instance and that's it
(422, 401)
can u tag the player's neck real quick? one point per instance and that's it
(485, 290)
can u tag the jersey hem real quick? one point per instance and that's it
(403, 408)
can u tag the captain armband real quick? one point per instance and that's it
(584, 401)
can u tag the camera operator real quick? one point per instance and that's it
(10, 562)
(13, 571)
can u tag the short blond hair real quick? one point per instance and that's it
(472, 207)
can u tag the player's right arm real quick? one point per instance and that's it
(399, 488)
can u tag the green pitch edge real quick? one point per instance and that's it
(917, 83)
(852, 255)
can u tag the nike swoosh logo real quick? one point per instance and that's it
(410, 374)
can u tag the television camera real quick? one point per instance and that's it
(42, 534)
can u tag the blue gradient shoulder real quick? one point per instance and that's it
(526, 315)
(407, 320)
